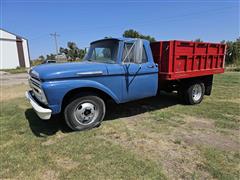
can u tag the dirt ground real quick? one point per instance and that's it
(8, 79)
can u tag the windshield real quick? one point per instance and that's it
(103, 51)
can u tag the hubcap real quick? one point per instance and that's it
(197, 92)
(86, 113)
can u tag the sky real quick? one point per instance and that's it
(85, 21)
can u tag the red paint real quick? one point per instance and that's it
(186, 59)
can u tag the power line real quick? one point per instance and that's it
(55, 35)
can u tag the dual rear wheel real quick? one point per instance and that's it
(193, 93)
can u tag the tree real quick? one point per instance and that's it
(72, 52)
(63, 50)
(134, 34)
(37, 61)
(198, 40)
(51, 56)
(41, 58)
(233, 52)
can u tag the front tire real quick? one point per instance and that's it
(84, 112)
(194, 93)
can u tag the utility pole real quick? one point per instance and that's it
(55, 35)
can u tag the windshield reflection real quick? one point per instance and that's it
(104, 51)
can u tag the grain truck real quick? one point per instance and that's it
(123, 70)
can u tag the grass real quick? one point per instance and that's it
(155, 138)
(233, 68)
(222, 106)
(222, 165)
(15, 71)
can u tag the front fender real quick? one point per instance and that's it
(56, 90)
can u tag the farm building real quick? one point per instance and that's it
(13, 51)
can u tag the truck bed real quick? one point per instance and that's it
(186, 59)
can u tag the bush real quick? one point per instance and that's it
(36, 62)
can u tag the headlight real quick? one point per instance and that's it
(42, 97)
(34, 74)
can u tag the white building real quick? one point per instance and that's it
(13, 51)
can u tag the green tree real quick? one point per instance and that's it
(134, 34)
(198, 40)
(72, 52)
(63, 51)
(37, 61)
(41, 58)
(233, 51)
(51, 56)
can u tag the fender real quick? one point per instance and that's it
(55, 98)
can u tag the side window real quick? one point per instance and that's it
(129, 54)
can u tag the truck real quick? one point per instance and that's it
(123, 70)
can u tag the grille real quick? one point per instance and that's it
(35, 84)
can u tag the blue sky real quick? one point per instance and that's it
(85, 21)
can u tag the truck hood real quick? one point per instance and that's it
(68, 70)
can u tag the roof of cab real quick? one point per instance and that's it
(117, 39)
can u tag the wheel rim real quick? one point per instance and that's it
(197, 92)
(86, 113)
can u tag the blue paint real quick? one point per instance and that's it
(122, 81)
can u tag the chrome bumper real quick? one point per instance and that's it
(43, 113)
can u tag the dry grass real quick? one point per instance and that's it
(12, 92)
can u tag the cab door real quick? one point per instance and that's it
(141, 73)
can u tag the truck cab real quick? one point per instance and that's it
(119, 69)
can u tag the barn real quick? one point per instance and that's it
(13, 51)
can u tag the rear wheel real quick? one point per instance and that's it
(84, 112)
(194, 93)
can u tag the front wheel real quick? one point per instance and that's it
(194, 93)
(84, 112)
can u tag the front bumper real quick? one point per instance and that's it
(42, 112)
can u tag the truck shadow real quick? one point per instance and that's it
(41, 128)
(164, 100)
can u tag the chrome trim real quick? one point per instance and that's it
(36, 82)
(90, 73)
(35, 85)
(34, 73)
(37, 93)
(43, 113)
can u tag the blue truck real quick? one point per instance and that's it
(118, 69)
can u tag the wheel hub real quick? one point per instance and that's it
(197, 92)
(85, 113)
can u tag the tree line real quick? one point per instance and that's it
(73, 53)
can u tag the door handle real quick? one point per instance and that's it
(150, 66)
